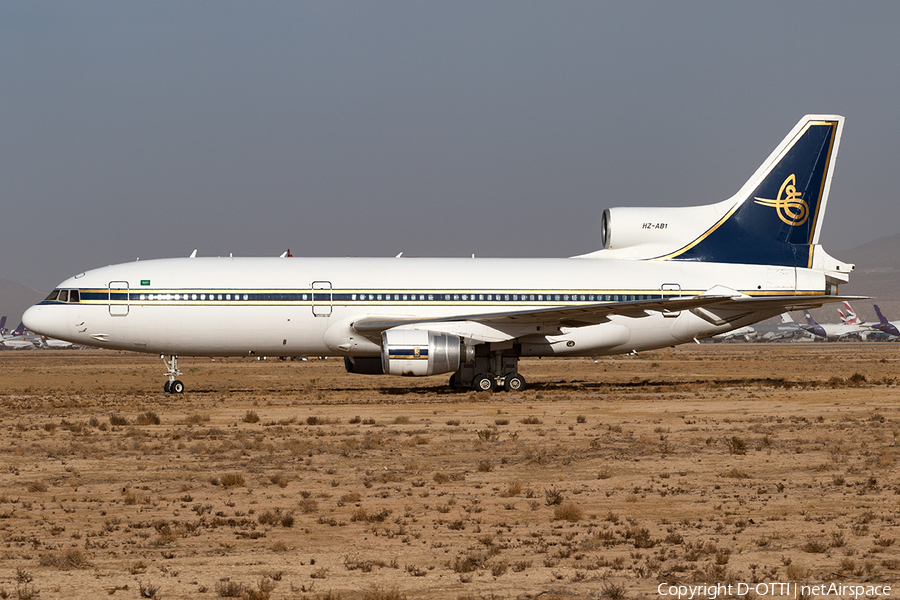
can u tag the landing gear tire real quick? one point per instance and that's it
(514, 383)
(166, 387)
(484, 383)
(452, 383)
(176, 387)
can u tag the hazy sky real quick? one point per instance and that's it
(148, 129)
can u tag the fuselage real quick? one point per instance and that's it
(307, 306)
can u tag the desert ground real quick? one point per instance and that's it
(709, 464)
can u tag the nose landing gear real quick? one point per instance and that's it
(172, 386)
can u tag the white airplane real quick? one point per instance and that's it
(20, 339)
(55, 344)
(745, 334)
(785, 329)
(835, 331)
(665, 276)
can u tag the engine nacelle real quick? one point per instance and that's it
(363, 365)
(418, 353)
(655, 230)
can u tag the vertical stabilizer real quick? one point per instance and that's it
(776, 217)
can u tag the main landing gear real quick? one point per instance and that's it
(490, 371)
(173, 386)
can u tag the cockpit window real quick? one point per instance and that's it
(63, 296)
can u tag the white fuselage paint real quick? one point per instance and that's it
(153, 320)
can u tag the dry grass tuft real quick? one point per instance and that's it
(66, 560)
(568, 511)
(232, 480)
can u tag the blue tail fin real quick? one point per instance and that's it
(881, 317)
(776, 217)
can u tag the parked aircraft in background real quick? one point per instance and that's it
(54, 343)
(848, 316)
(20, 339)
(888, 327)
(742, 334)
(786, 329)
(664, 276)
(3, 325)
(834, 331)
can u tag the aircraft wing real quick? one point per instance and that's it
(575, 316)
(789, 303)
(592, 314)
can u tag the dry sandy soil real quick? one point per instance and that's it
(712, 464)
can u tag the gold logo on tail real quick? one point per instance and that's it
(791, 208)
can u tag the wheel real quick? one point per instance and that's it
(484, 383)
(452, 383)
(514, 383)
(177, 387)
(166, 387)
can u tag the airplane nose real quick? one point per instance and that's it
(32, 319)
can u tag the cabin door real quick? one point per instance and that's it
(671, 290)
(321, 298)
(119, 298)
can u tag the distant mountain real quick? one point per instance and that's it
(15, 298)
(883, 253)
(877, 275)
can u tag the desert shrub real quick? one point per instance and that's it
(736, 473)
(736, 445)
(118, 420)
(230, 589)
(553, 497)
(66, 560)
(568, 511)
(232, 480)
(280, 479)
(148, 418)
(377, 593)
(251, 417)
(814, 546)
